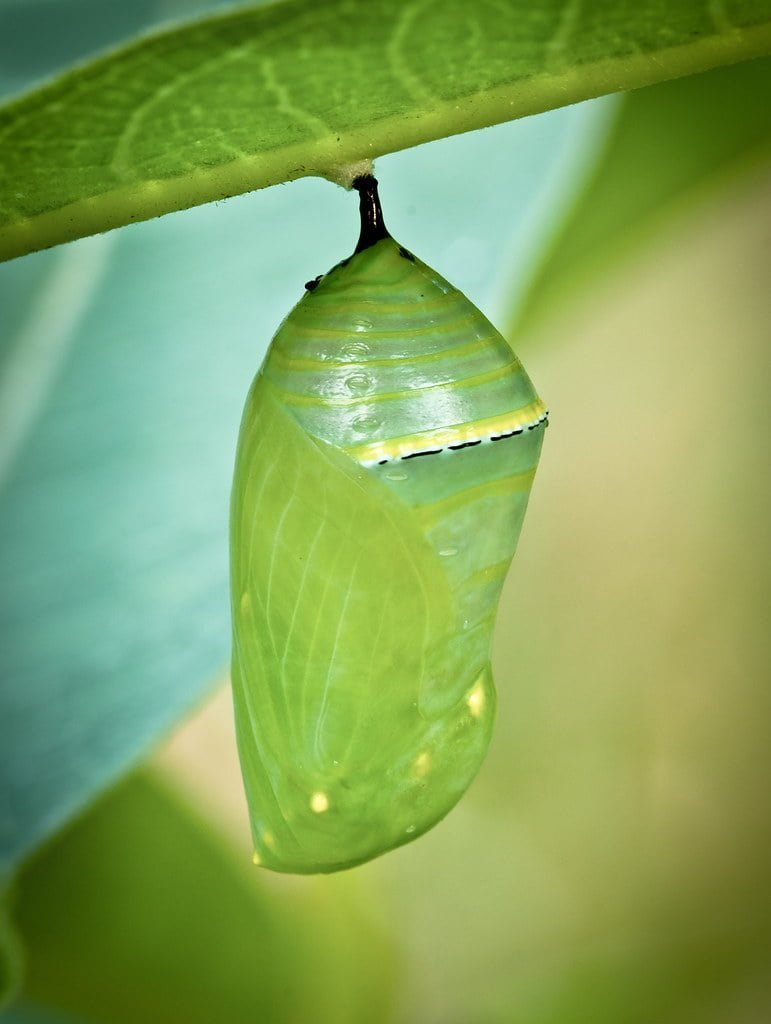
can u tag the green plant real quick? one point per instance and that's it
(279, 91)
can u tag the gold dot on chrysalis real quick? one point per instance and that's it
(246, 603)
(319, 803)
(256, 858)
(422, 764)
(476, 700)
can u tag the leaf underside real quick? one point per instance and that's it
(270, 94)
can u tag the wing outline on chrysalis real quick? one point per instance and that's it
(385, 459)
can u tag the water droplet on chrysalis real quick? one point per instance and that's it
(358, 383)
(365, 425)
(353, 350)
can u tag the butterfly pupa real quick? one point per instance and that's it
(385, 459)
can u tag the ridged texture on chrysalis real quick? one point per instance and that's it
(384, 464)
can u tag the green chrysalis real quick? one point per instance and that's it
(385, 459)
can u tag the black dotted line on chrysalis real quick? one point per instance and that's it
(471, 444)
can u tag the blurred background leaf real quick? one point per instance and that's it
(10, 949)
(668, 144)
(299, 88)
(138, 912)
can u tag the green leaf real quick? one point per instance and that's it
(10, 949)
(667, 145)
(141, 912)
(268, 94)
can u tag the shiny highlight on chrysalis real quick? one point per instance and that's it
(384, 464)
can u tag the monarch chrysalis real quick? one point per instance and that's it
(385, 460)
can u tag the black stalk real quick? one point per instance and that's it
(372, 227)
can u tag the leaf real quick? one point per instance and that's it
(10, 951)
(667, 145)
(268, 94)
(141, 912)
(26, 1013)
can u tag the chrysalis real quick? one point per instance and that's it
(384, 464)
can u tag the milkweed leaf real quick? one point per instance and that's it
(268, 94)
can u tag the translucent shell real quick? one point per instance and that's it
(384, 464)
